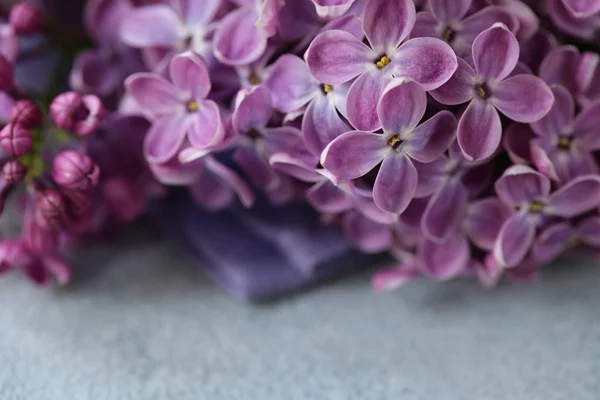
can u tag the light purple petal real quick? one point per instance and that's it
(174, 173)
(445, 211)
(459, 89)
(552, 242)
(589, 231)
(295, 167)
(237, 40)
(495, 53)
(291, 83)
(426, 25)
(165, 137)
(330, 9)
(517, 139)
(362, 100)
(394, 277)
(154, 94)
(559, 67)
(582, 8)
(210, 193)
(402, 106)
(152, 26)
(484, 221)
(479, 130)
(432, 138)
(395, 184)
(253, 111)
(521, 184)
(586, 126)
(387, 23)
(337, 56)
(447, 260)
(189, 73)
(431, 176)
(578, 196)
(542, 161)
(514, 240)
(523, 98)
(327, 198)
(232, 180)
(428, 61)
(199, 12)
(207, 127)
(354, 154)
(556, 122)
(478, 22)
(368, 236)
(321, 124)
(449, 11)
(255, 168)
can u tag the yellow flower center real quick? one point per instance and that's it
(383, 62)
(192, 106)
(536, 206)
(449, 35)
(564, 143)
(395, 142)
(574, 242)
(327, 88)
(254, 79)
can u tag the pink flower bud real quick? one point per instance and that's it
(16, 140)
(51, 209)
(80, 202)
(13, 172)
(26, 18)
(27, 114)
(6, 74)
(74, 170)
(80, 114)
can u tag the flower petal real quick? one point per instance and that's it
(428, 61)
(189, 73)
(337, 56)
(152, 26)
(354, 154)
(330, 9)
(448, 11)
(447, 260)
(478, 22)
(253, 110)
(394, 277)
(485, 219)
(589, 231)
(387, 23)
(402, 106)
(321, 124)
(363, 98)
(432, 138)
(459, 89)
(580, 195)
(207, 127)
(395, 184)
(294, 167)
(582, 8)
(232, 180)
(255, 168)
(514, 240)
(237, 40)
(523, 98)
(479, 130)
(445, 211)
(165, 137)
(552, 242)
(521, 184)
(327, 198)
(368, 236)
(291, 83)
(585, 127)
(517, 139)
(495, 53)
(561, 114)
(154, 94)
(432, 176)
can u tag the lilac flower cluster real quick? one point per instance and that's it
(460, 136)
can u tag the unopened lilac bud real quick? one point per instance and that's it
(27, 114)
(51, 208)
(16, 140)
(80, 202)
(74, 170)
(26, 18)
(63, 109)
(80, 114)
(13, 172)
(6, 74)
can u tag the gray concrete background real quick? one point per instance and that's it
(144, 324)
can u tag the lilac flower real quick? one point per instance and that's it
(179, 110)
(582, 8)
(26, 114)
(563, 18)
(75, 170)
(400, 110)
(13, 172)
(563, 236)
(80, 114)
(488, 88)
(448, 21)
(16, 140)
(172, 25)
(26, 18)
(528, 191)
(332, 8)
(563, 149)
(336, 57)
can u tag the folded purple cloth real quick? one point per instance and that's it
(263, 252)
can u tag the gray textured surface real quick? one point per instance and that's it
(146, 325)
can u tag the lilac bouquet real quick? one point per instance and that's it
(458, 136)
